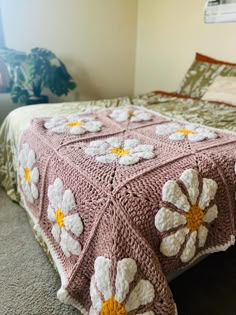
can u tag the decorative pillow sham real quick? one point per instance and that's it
(223, 89)
(201, 75)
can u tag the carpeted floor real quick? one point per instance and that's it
(28, 283)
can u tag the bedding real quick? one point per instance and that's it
(202, 73)
(223, 89)
(121, 197)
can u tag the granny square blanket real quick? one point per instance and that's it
(122, 197)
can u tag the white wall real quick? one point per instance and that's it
(169, 33)
(95, 38)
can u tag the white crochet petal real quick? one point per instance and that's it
(74, 117)
(172, 193)
(126, 270)
(55, 193)
(92, 311)
(190, 180)
(58, 186)
(202, 235)
(143, 148)
(29, 196)
(69, 245)
(68, 202)
(25, 185)
(209, 189)
(165, 129)
(27, 190)
(114, 142)
(166, 219)
(21, 172)
(74, 224)
(34, 175)
(95, 298)
(190, 248)
(56, 231)
(211, 214)
(77, 130)
(130, 144)
(140, 115)
(147, 155)
(177, 136)
(191, 127)
(142, 294)
(196, 137)
(108, 158)
(88, 118)
(55, 121)
(31, 159)
(60, 129)
(98, 144)
(24, 153)
(102, 267)
(93, 126)
(51, 214)
(26, 148)
(34, 190)
(93, 151)
(120, 115)
(170, 245)
(23, 158)
(129, 159)
(207, 132)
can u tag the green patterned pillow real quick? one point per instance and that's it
(201, 75)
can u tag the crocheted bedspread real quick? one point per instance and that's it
(123, 197)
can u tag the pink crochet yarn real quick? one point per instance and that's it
(102, 199)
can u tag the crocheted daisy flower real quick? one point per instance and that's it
(137, 115)
(180, 132)
(113, 296)
(186, 218)
(61, 202)
(112, 149)
(74, 124)
(29, 175)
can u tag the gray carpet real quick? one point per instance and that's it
(28, 282)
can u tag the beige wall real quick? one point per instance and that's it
(95, 38)
(169, 33)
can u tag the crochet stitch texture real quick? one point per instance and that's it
(129, 224)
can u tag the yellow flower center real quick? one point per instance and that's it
(72, 124)
(112, 307)
(130, 113)
(59, 217)
(186, 131)
(27, 174)
(194, 218)
(119, 151)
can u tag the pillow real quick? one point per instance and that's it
(202, 73)
(223, 89)
(204, 58)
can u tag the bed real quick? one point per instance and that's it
(123, 193)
